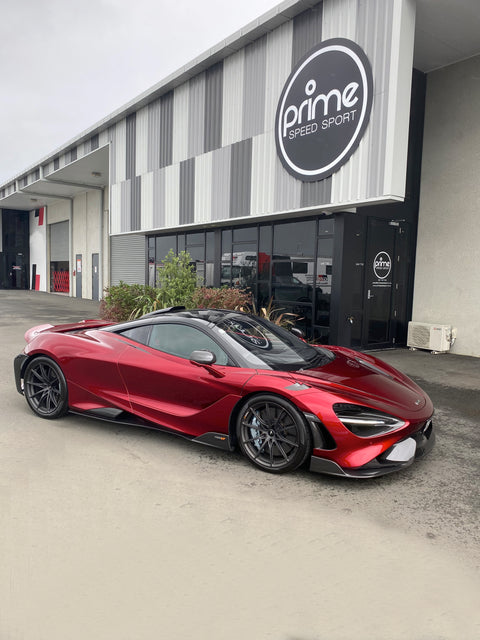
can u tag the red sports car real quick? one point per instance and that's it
(228, 379)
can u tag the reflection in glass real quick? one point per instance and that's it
(163, 246)
(295, 239)
(210, 246)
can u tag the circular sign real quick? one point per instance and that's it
(324, 109)
(382, 265)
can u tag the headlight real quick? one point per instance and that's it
(365, 422)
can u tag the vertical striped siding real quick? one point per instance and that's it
(278, 67)
(153, 152)
(340, 19)
(221, 174)
(232, 115)
(287, 189)
(213, 107)
(203, 188)
(187, 191)
(240, 178)
(125, 205)
(120, 150)
(263, 174)
(254, 88)
(146, 212)
(217, 130)
(196, 115)
(180, 123)
(316, 193)
(166, 127)
(141, 148)
(307, 32)
(172, 195)
(115, 208)
(158, 196)
(130, 135)
(136, 203)
(104, 137)
(369, 24)
(374, 34)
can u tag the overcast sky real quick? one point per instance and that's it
(66, 64)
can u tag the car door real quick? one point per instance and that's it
(165, 387)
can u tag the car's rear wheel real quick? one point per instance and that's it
(273, 434)
(45, 388)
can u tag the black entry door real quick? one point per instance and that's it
(78, 276)
(381, 266)
(95, 279)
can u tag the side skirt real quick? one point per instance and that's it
(117, 416)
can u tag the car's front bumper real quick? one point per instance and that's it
(402, 454)
(18, 367)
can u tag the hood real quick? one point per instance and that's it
(366, 379)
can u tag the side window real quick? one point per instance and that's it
(139, 334)
(180, 340)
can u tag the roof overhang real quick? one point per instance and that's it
(87, 173)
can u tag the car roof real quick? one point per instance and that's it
(207, 316)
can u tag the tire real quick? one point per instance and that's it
(273, 434)
(45, 388)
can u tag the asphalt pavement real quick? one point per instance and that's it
(112, 532)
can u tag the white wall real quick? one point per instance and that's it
(447, 277)
(38, 248)
(89, 235)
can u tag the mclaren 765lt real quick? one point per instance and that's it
(231, 380)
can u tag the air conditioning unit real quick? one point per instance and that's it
(434, 337)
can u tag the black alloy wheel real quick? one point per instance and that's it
(273, 434)
(45, 388)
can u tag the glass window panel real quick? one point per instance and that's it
(210, 246)
(209, 274)
(180, 243)
(245, 234)
(181, 340)
(295, 239)
(195, 238)
(163, 246)
(197, 253)
(289, 287)
(244, 265)
(326, 226)
(226, 241)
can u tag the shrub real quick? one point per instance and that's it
(177, 281)
(221, 298)
(286, 319)
(121, 300)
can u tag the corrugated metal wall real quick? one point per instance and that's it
(206, 151)
(127, 259)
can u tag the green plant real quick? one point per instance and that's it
(221, 298)
(177, 282)
(274, 314)
(121, 300)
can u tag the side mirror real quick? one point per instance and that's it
(203, 357)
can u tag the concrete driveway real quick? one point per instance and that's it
(115, 533)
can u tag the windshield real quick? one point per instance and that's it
(268, 346)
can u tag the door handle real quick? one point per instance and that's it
(370, 295)
(350, 319)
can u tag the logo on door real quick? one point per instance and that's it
(382, 265)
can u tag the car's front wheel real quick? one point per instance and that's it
(273, 434)
(45, 388)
